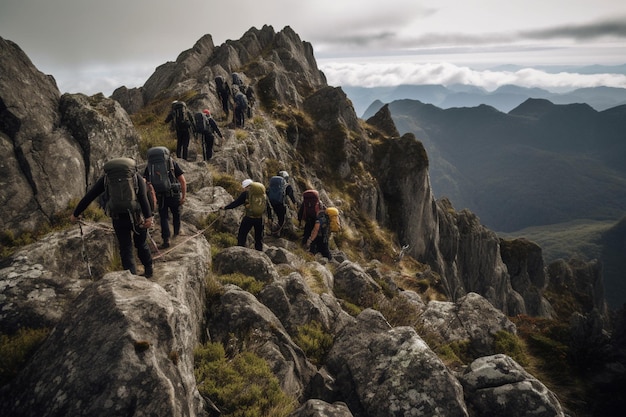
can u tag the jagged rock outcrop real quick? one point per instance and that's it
(524, 262)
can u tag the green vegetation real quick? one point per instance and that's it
(244, 282)
(314, 341)
(241, 387)
(16, 349)
(511, 345)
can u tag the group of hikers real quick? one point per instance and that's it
(130, 198)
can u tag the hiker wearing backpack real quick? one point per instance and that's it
(223, 93)
(128, 206)
(207, 129)
(318, 241)
(168, 180)
(256, 204)
(251, 100)
(241, 108)
(183, 122)
(307, 212)
(278, 191)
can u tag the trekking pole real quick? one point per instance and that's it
(84, 249)
(156, 247)
(161, 254)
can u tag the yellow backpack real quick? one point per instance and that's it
(335, 221)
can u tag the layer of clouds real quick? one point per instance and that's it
(394, 73)
(96, 46)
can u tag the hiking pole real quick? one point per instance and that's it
(161, 254)
(84, 249)
(156, 247)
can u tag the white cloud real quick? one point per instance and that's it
(396, 73)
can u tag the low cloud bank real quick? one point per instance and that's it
(380, 74)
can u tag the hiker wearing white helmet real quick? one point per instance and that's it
(256, 205)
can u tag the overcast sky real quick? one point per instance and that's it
(96, 46)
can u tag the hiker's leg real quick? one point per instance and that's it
(165, 218)
(179, 144)
(209, 146)
(143, 251)
(258, 234)
(185, 145)
(123, 231)
(244, 229)
(280, 210)
(174, 204)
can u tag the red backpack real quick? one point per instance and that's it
(310, 200)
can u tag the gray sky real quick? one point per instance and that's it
(96, 46)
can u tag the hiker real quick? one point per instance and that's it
(183, 122)
(131, 216)
(278, 191)
(318, 241)
(168, 180)
(256, 204)
(251, 100)
(208, 134)
(241, 108)
(307, 213)
(223, 93)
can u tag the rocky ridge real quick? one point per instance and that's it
(115, 334)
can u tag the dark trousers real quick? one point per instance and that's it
(126, 234)
(320, 244)
(247, 223)
(182, 143)
(281, 210)
(240, 117)
(167, 204)
(207, 145)
(224, 100)
(308, 228)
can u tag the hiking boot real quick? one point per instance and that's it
(165, 244)
(148, 273)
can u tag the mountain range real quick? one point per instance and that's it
(504, 98)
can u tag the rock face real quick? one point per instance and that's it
(123, 345)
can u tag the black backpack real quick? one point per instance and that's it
(121, 187)
(160, 171)
(276, 189)
(241, 101)
(180, 115)
(202, 122)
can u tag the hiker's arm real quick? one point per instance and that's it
(238, 202)
(144, 203)
(314, 232)
(289, 192)
(92, 194)
(183, 188)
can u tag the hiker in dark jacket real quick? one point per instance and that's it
(248, 222)
(208, 136)
(127, 228)
(183, 132)
(318, 241)
(223, 93)
(170, 202)
(279, 207)
(241, 108)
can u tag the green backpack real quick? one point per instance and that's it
(120, 186)
(256, 202)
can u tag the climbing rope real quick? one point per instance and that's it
(198, 233)
(84, 248)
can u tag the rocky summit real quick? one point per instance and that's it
(420, 312)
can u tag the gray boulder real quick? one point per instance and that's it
(125, 345)
(498, 386)
(382, 371)
(472, 318)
